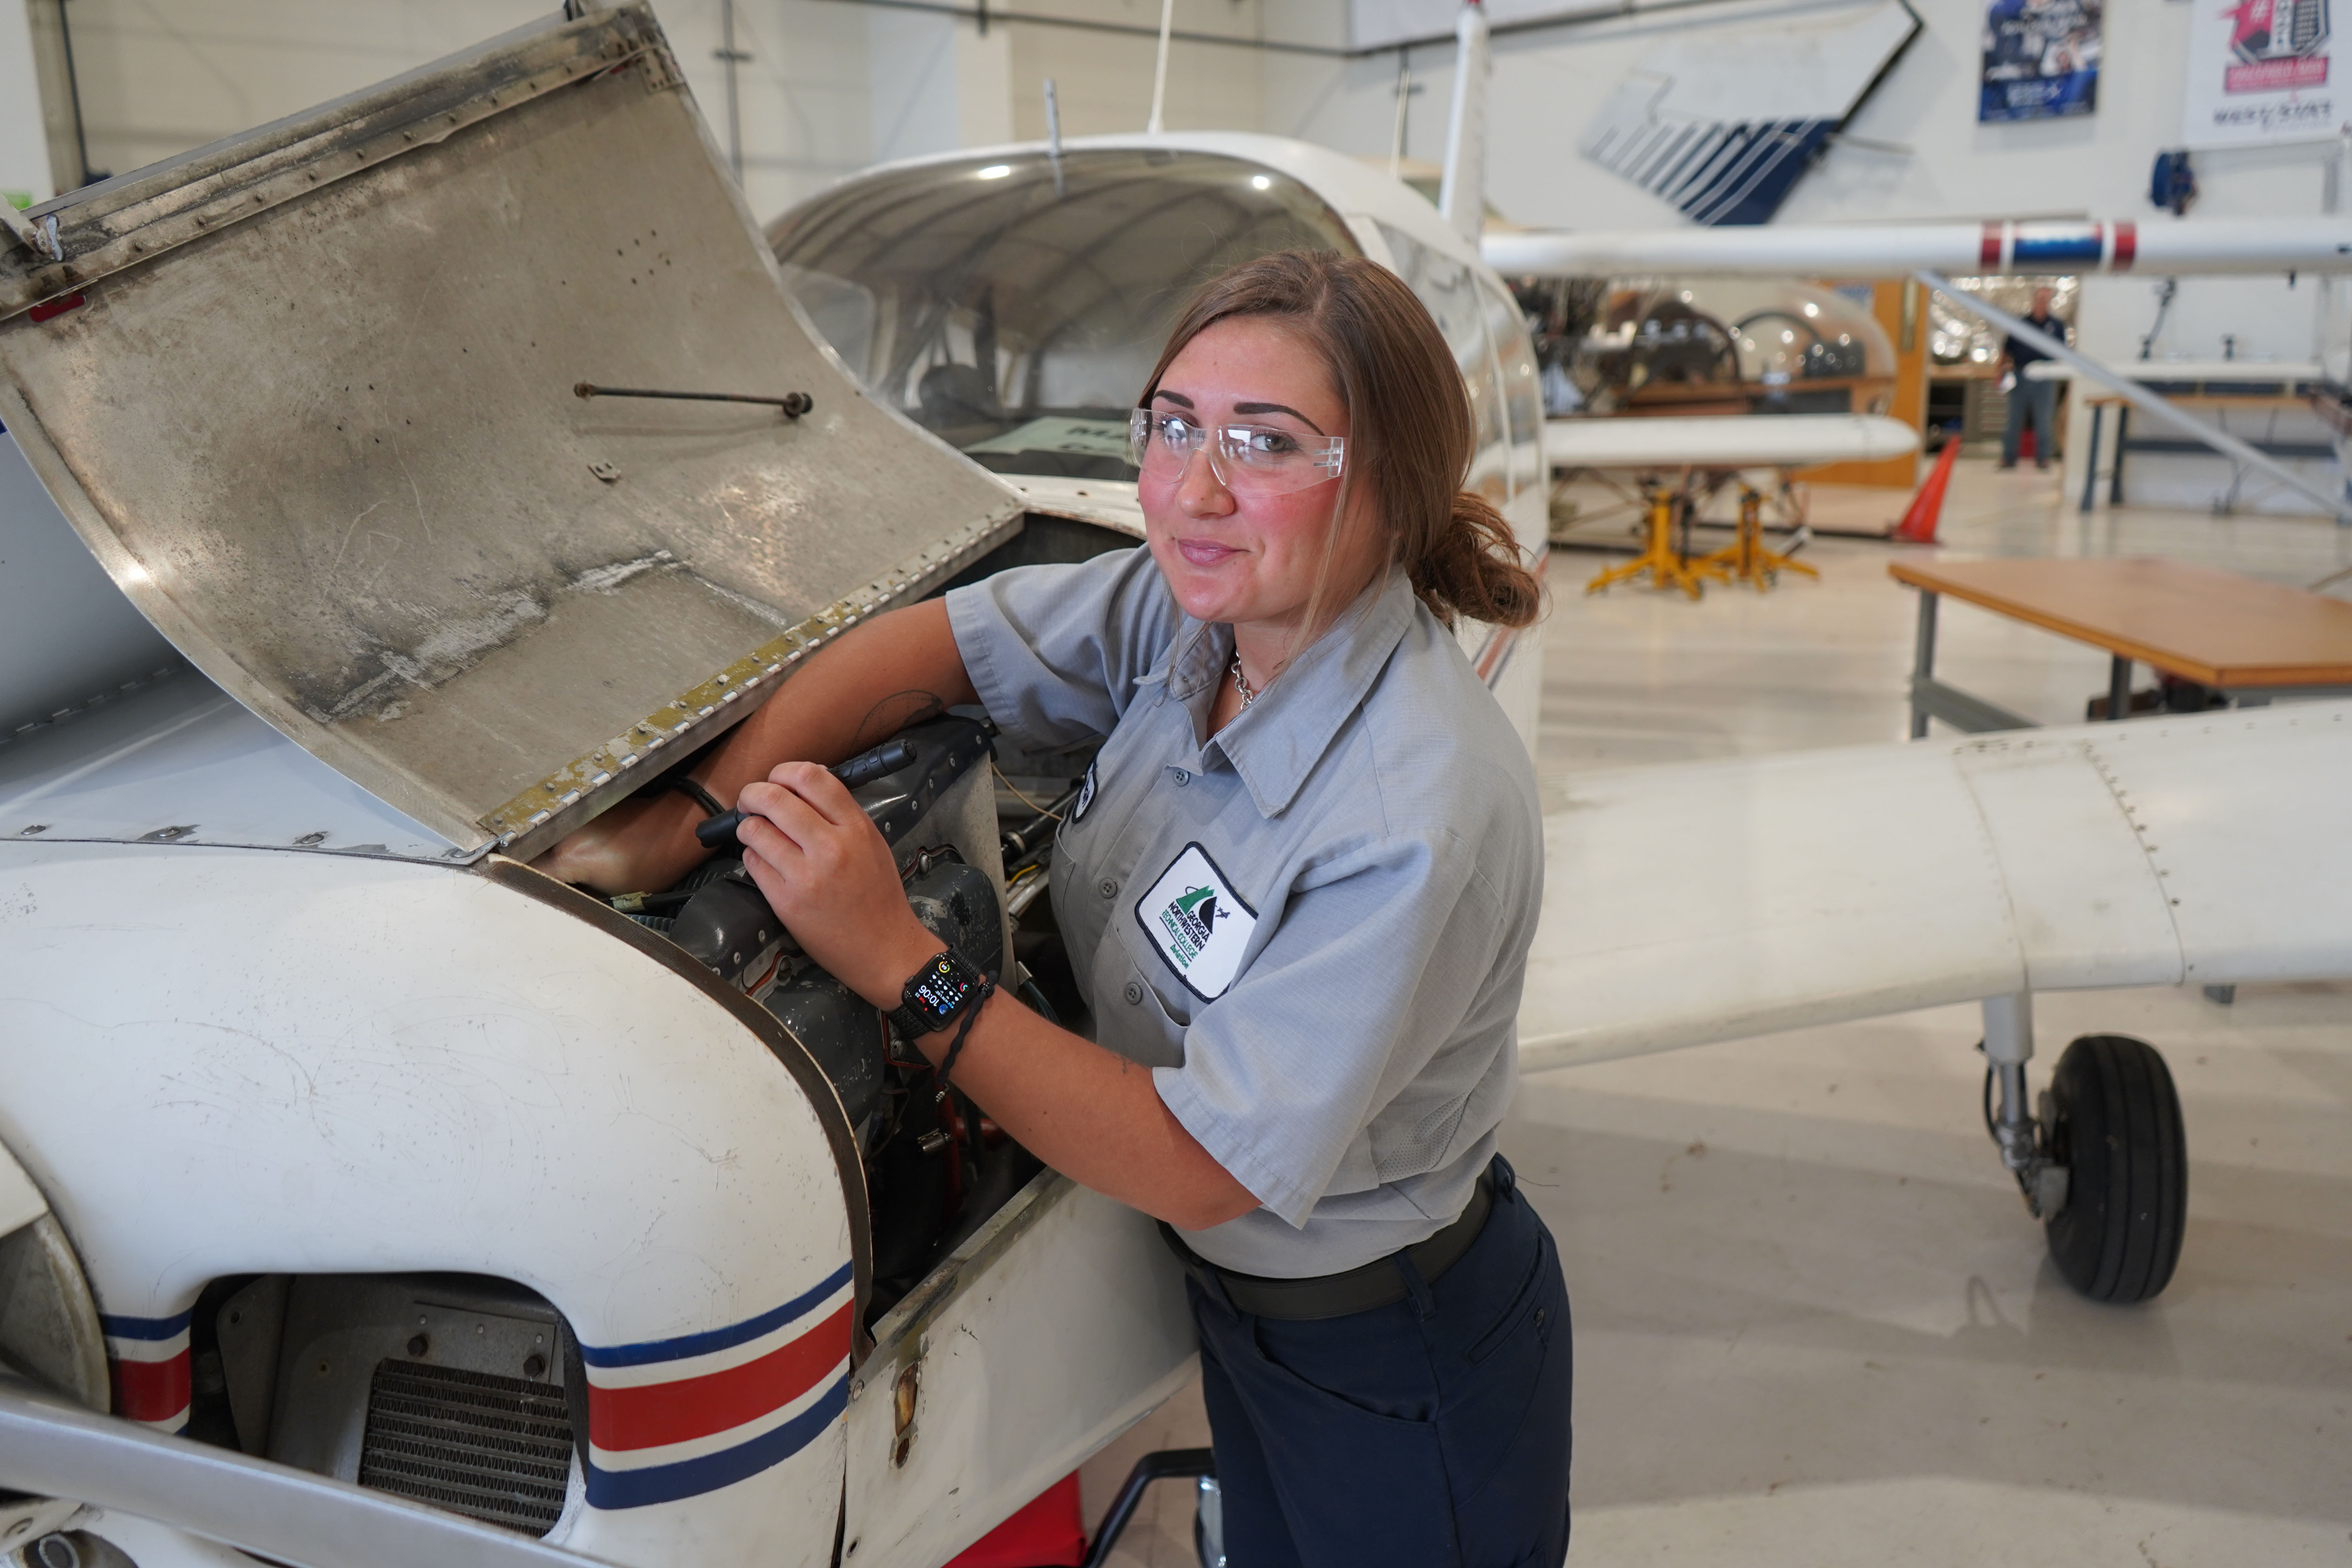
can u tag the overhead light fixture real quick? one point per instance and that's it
(996, 171)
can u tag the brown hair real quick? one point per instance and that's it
(1411, 435)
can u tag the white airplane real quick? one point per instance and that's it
(353, 1165)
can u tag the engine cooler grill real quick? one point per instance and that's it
(494, 1448)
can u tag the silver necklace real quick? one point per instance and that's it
(1240, 684)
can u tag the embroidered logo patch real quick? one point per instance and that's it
(1198, 922)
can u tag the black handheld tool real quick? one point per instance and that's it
(719, 832)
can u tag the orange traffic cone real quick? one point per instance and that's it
(1918, 524)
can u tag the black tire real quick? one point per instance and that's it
(2115, 1124)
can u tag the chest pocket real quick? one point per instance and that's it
(1133, 1017)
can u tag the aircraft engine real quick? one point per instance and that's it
(934, 1169)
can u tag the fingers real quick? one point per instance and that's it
(828, 795)
(804, 824)
(782, 807)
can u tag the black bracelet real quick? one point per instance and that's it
(702, 798)
(971, 1016)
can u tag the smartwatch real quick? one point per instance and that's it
(944, 986)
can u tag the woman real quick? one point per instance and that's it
(1298, 887)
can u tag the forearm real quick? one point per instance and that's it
(1090, 1114)
(874, 681)
(895, 670)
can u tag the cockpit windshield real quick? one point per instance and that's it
(1015, 305)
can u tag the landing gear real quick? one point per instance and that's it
(2115, 1124)
(2104, 1165)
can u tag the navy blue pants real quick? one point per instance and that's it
(1431, 1431)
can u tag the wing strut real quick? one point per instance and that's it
(1462, 195)
(2138, 396)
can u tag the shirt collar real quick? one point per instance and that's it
(1275, 741)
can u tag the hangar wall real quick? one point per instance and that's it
(1548, 82)
(829, 85)
(24, 161)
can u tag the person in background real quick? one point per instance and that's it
(2027, 397)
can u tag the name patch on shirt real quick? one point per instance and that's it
(1198, 922)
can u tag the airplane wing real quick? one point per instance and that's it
(1726, 441)
(1722, 900)
(2200, 246)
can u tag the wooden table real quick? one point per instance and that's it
(2250, 641)
(2222, 384)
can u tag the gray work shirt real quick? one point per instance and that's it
(1314, 926)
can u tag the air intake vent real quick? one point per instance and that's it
(495, 1448)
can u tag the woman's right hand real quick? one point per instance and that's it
(638, 846)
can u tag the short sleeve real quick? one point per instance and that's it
(1056, 651)
(1373, 971)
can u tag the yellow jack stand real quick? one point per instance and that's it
(1667, 567)
(1746, 560)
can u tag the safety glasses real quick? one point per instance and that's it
(1251, 460)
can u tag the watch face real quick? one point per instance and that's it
(940, 989)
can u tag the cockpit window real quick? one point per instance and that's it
(1450, 290)
(1015, 305)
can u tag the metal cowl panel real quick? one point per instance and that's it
(308, 394)
(333, 1067)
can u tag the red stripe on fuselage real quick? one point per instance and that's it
(654, 1414)
(2127, 249)
(149, 1390)
(1988, 246)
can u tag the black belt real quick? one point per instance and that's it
(1376, 1284)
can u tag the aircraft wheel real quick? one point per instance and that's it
(2114, 1125)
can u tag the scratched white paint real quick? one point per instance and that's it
(221, 1061)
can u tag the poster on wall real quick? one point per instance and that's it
(2261, 71)
(2041, 59)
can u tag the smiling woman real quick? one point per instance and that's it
(1297, 891)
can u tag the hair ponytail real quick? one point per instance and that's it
(1412, 432)
(1472, 568)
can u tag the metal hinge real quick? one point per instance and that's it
(40, 238)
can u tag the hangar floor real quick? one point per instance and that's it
(1814, 1324)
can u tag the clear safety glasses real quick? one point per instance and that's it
(1256, 459)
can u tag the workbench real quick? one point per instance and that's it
(2223, 387)
(2249, 640)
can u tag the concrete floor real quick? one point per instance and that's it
(1815, 1323)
